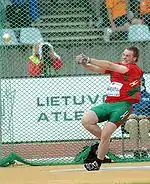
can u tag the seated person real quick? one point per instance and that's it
(42, 59)
(138, 123)
(120, 18)
(145, 12)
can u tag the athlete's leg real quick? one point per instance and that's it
(107, 131)
(93, 117)
(90, 121)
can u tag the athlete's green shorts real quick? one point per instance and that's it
(116, 112)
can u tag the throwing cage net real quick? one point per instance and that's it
(44, 93)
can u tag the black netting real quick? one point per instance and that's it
(44, 93)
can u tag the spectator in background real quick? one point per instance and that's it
(138, 123)
(119, 16)
(145, 11)
(43, 58)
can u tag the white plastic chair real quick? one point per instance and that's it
(139, 32)
(30, 35)
(13, 40)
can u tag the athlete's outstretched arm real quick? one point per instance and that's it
(107, 65)
(93, 68)
(101, 64)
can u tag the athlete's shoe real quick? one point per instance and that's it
(94, 166)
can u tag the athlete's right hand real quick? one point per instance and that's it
(82, 59)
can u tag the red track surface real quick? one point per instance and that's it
(63, 149)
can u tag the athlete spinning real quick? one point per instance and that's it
(124, 90)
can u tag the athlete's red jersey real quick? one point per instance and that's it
(125, 87)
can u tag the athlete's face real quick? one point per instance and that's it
(128, 57)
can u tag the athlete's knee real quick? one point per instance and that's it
(107, 131)
(105, 136)
(89, 118)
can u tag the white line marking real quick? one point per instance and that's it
(103, 169)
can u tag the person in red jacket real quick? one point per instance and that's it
(123, 91)
(43, 58)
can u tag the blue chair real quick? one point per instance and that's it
(30, 35)
(139, 32)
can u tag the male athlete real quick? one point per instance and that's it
(123, 91)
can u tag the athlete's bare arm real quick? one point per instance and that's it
(107, 65)
(100, 66)
(93, 68)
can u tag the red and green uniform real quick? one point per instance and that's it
(125, 87)
(123, 91)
